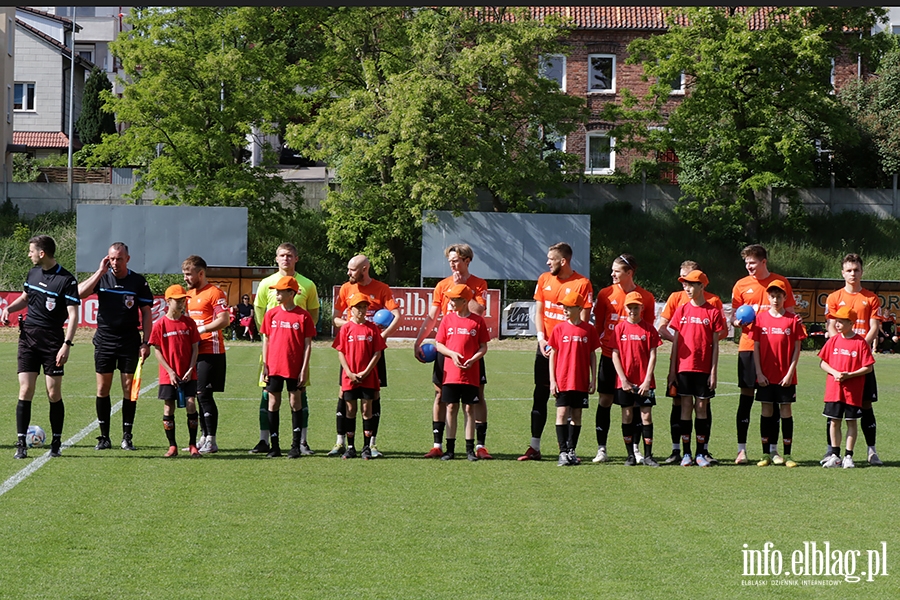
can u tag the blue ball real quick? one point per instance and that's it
(383, 318)
(745, 314)
(429, 351)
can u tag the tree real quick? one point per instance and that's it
(200, 80)
(759, 95)
(93, 121)
(418, 109)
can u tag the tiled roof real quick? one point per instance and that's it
(41, 139)
(626, 17)
(46, 15)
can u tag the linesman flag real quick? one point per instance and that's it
(136, 381)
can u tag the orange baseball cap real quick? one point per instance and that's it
(460, 290)
(777, 283)
(695, 276)
(845, 312)
(287, 283)
(634, 298)
(174, 292)
(573, 299)
(357, 298)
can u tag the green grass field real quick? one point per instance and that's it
(136, 525)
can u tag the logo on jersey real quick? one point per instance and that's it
(50, 303)
(129, 301)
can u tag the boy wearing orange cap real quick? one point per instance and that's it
(462, 337)
(846, 357)
(360, 345)
(573, 374)
(694, 363)
(287, 332)
(634, 357)
(776, 336)
(176, 343)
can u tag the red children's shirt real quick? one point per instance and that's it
(634, 341)
(573, 345)
(777, 337)
(287, 331)
(698, 329)
(464, 335)
(359, 343)
(175, 339)
(846, 355)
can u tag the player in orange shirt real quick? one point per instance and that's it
(459, 256)
(675, 300)
(867, 307)
(551, 288)
(751, 290)
(208, 307)
(380, 296)
(609, 308)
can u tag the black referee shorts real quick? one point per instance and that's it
(116, 352)
(38, 348)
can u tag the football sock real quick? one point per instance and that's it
(339, 417)
(562, 437)
(470, 446)
(57, 418)
(376, 415)
(273, 427)
(192, 420)
(451, 445)
(773, 432)
(263, 417)
(848, 452)
(702, 435)
(675, 426)
(169, 426)
(296, 417)
(539, 410)
(574, 433)
(367, 431)
(209, 412)
(104, 409)
(828, 432)
(647, 431)
(437, 429)
(129, 408)
(348, 425)
(868, 426)
(687, 428)
(787, 432)
(480, 432)
(628, 438)
(742, 419)
(23, 418)
(709, 427)
(836, 450)
(602, 424)
(304, 410)
(536, 443)
(764, 433)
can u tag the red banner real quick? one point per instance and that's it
(414, 303)
(87, 310)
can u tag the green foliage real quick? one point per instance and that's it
(423, 108)
(93, 121)
(14, 236)
(25, 170)
(758, 98)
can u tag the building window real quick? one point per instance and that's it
(895, 29)
(24, 96)
(9, 103)
(10, 36)
(601, 155)
(677, 85)
(85, 51)
(602, 73)
(553, 66)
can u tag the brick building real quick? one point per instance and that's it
(595, 68)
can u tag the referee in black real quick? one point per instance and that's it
(124, 324)
(51, 295)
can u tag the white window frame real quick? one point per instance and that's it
(561, 58)
(587, 154)
(25, 96)
(831, 77)
(680, 90)
(612, 88)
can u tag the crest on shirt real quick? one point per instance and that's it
(50, 303)
(129, 301)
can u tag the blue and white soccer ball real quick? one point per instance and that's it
(35, 436)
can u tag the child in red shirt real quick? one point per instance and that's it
(776, 336)
(359, 345)
(573, 374)
(634, 345)
(176, 341)
(845, 357)
(287, 333)
(462, 337)
(694, 363)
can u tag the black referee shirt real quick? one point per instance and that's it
(49, 293)
(119, 301)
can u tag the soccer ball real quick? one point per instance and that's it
(383, 318)
(745, 314)
(35, 436)
(430, 352)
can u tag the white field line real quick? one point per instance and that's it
(39, 462)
